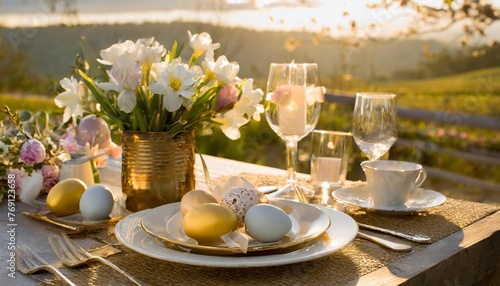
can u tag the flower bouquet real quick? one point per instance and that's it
(30, 158)
(157, 100)
(150, 89)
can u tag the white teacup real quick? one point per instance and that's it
(390, 183)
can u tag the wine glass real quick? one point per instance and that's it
(293, 106)
(374, 123)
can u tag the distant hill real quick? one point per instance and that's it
(52, 50)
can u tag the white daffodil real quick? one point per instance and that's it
(201, 43)
(127, 72)
(225, 71)
(69, 98)
(248, 103)
(175, 82)
(230, 122)
(110, 55)
(148, 51)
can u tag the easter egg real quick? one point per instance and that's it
(267, 223)
(239, 200)
(194, 198)
(207, 222)
(64, 198)
(96, 202)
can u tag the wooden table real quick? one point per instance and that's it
(466, 257)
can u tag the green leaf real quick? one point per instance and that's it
(25, 115)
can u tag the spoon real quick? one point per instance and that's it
(401, 247)
(420, 238)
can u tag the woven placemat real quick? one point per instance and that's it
(359, 258)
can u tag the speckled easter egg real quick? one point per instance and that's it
(240, 200)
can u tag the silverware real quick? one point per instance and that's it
(420, 238)
(74, 229)
(29, 262)
(73, 255)
(385, 243)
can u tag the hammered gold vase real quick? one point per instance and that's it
(156, 168)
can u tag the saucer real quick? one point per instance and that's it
(420, 199)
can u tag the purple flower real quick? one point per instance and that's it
(32, 152)
(50, 175)
(228, 94)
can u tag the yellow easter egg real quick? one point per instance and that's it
(64, 198)
(207, 222)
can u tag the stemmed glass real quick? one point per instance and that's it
(374, 123)
(293, 105)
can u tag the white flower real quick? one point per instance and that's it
(30, 187)
(69, 98)
(230, 122)
(315, 94)
(127, 72)
(249, 101)
(148, 51)
(201, 43)
(175, 82)
(224, 70)
(112, 84)
(112, 54)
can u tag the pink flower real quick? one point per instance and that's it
(68, 141)
(32, 152)
(50, 175)
(281, 94)
(18, 175)
(228, 94)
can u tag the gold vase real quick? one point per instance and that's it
(156, 168)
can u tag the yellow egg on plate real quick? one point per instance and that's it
(64, 198)
(207, 222)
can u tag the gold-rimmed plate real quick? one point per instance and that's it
(308, 222)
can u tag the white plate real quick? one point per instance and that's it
(342, 231)
(420, 199)
(308, 222)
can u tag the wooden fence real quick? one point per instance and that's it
(475, 121)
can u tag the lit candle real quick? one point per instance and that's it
(327, 169)
(292, 112)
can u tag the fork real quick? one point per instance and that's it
(73, 255)
(29, 262)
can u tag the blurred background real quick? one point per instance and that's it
(441, 58)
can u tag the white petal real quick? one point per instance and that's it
(64, 98)
(127, 100)
(172, 102)
(158, 87)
